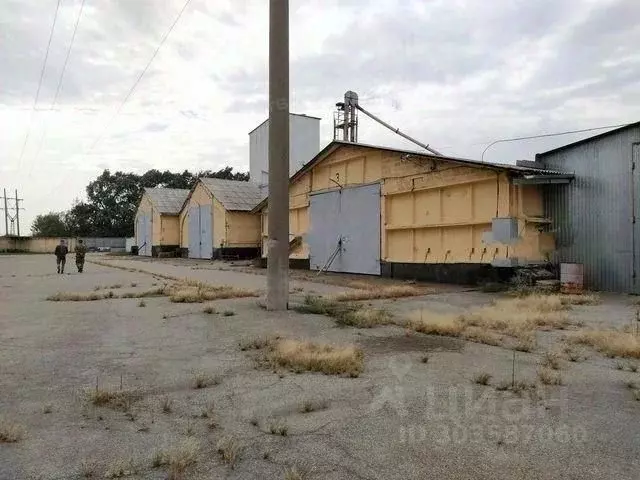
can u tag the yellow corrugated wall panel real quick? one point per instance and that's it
(427, 210)
(170, 231)
(243, 229)
(220, 227)
(438, 210)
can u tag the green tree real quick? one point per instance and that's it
(112, 199)
(80, 219)
(51, 224)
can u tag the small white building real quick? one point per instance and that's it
(304, 144)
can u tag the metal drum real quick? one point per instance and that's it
(571, 277)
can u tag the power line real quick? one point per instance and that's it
(44, 65)
(59, 87)
(144, 71)
(544, 135)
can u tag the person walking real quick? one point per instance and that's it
(61, 255)
(81, 250)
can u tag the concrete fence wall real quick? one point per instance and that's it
(48, 244)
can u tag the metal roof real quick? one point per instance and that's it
(167, 200)
(417, 155)
(588, 139)
(235, 194)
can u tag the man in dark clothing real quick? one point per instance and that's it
(81, 250)
(61, 256)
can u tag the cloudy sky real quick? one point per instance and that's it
(454, 73)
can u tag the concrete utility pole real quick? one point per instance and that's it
(278, 207)
(6, 214)
(18, 212)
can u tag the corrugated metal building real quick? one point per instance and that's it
(594, 218)
(304, 144)
(383, 211)
(216, 219)
(156, 221)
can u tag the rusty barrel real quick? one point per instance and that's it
(571, 277)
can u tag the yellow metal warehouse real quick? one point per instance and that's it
(156, 224)
(376, 210)
(216, 219)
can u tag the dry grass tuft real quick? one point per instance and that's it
(424, 359)
(209, 310)
(551, 360)
(202, 380)
(612, 343)
(178, 458)
(229, 450)
(316, 357)
(633, 367)
(77, 297)
(549, 377)
(435, 324)
(48, 408)
(482, 378)
(279, 427)
(88, 468)
(296, 473)
(121, 468)
(10, 432)
(196, 292)
(581, 299)
(166, 404)
(379, 292)
(116, 399)
(142, 303)
(345, 314)
(480, 335)
(309, 406)
(228, 313)
(258, 343)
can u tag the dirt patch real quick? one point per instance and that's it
(409, 343)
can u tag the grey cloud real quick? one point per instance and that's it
(442, 45)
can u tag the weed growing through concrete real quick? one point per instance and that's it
(166, 404)
(115, 399)
(619, 366)
(88, 468)
(229, 450)
(424, 359)
(296, 473)
(10, 432)
(201, 380)
(229, 313)
(345, 314)
(503, 386)
(142, 303)
(121, 468)
(482, 378)
(200, 292)
(611, 343)
(279, 427)
(549, 377)
(309, 405)
(435, 324)
(257, 343)
(317, 357)
(380, 292)
(134, 284)
(633, 367)
(209, 310)
(551, 360)
(48, 408)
